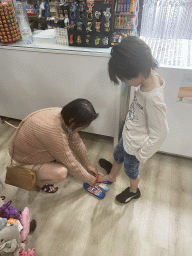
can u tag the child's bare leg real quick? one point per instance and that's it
(115, 169)
(134, 184)
(113, 174)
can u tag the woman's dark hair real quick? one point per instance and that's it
(130, 58)
(81, 110)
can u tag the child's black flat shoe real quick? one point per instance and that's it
(105, 164)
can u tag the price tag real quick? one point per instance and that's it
(104, 187)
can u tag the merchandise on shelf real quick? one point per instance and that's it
(90, 23)
(126, 19)
(44, 10)
(31, 10)
(9, 31)
(96, 23)
(62, 36)
(85, 23)
(40, 14)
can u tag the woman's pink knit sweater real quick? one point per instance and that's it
(42, 139)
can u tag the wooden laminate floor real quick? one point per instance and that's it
(72, 222)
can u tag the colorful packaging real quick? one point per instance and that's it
(9, 30)
(30, 8)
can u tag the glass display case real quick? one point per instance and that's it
(86, 23)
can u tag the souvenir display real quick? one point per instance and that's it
(90, 23)
(9, 31)
(84, 23)
(99, 23)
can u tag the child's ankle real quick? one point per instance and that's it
(133, 190)
(112, 178)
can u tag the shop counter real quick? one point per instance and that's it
(46, 75)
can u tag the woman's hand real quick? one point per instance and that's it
(92, 170)
(93, 182)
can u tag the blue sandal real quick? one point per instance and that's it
(95, 190)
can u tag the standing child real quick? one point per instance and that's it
(145, 127)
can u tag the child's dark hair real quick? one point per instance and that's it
(130, 58)
(81, 110)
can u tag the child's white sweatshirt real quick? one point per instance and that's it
(146, 125)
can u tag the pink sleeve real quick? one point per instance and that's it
(78, 147)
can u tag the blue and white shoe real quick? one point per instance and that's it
(104, 187)
(95, 190)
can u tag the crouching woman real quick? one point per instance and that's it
(49, 139)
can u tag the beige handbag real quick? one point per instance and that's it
(20, 176)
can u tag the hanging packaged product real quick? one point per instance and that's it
(73, 11)
(9, 31)
(90, 4)
(125, 20)
(31, 10)
(82, 10)
(107, 15)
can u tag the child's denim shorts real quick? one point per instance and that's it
(131, 164)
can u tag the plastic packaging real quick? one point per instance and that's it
(23, 22)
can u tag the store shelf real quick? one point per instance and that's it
(132, 18)
(119, 11)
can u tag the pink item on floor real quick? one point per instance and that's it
(22, 253)
(29, 252)
(25, 221)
